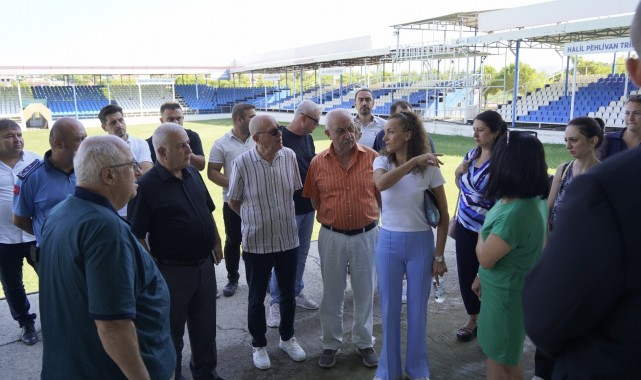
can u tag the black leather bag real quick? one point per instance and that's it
(430, 204)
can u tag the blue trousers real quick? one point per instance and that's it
(11, 260)
(305, 225)
(398, 254)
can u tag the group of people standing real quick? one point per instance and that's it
(125, 244)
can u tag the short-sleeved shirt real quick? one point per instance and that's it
(266, 194)
(370, 130)
(39, 188)
(403, 209)
(195, 144)
(93, 268)
(176, 213)
(303, 146)
(473, 204)
(139, 148)
(345, 198)
(9, 233)
(224, 150)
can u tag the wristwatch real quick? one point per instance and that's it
(439, 259)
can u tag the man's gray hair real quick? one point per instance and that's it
(161, 134)
(307, 107)
(635, 30)
(338, 113)
(95, 154)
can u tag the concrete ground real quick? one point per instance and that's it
(448, 358)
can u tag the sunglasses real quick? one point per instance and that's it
(273, 132)
(134, 164)
(315, 120)
(527, 133)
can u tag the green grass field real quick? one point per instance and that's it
(453, 148)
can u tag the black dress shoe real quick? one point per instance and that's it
(29, 335)
(230, 289)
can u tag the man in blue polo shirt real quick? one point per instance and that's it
(105, 305)
(47, 182)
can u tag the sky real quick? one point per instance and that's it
(203, 32)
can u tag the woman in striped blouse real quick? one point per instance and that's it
(472, 177)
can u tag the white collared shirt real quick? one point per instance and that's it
(224, 150)
(9, 233)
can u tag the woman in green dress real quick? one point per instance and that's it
(509, 243)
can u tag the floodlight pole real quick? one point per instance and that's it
(516, 82)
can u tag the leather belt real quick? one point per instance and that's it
(351, 232)
(175, 263)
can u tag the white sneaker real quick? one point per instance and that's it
(273, 317)
(306, 303)
(293, 349)
(261, 359)
(404, 294)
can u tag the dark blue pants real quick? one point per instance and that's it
(258, 267)
(11, 258)
(468, 267)
(233, 240)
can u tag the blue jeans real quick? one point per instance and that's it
(305, 225)
(11, 259)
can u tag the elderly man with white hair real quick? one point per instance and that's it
(173, 213)
(261, 189)
(340, 185)
(297, 136)
(105, 305)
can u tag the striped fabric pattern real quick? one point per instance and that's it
(345, 199)
(473, 206)
(267, 204)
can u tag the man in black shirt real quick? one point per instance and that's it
(171, 112)
(173, 213)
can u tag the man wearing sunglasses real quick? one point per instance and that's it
(297, 137)
(261, 189)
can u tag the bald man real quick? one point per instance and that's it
(47, 182)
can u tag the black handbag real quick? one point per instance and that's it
(430, 204)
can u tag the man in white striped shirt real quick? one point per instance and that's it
(261, 189)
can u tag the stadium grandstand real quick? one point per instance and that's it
(442, 77)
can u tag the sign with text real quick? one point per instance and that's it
(332, 71)
(274, 77)
(598, 46)
(161, 81)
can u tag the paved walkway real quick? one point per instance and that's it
(449, 359)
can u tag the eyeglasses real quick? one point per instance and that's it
(134, 164)
(528, 133)
(315, 120)
(274, 132)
